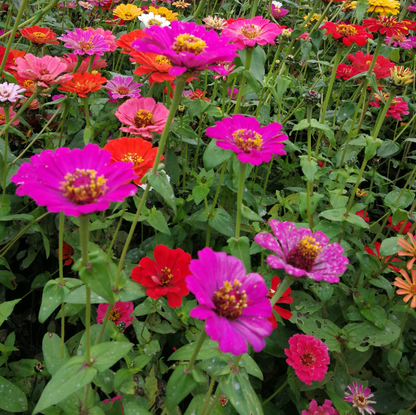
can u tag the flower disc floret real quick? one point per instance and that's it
(360, 398)
(190, 44)
(229, 301)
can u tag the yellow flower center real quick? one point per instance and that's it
(40, 35)
(250, 31)
(401, 76)
(122, 90)
(115, 315)
(83, 186)
(307, 359)
(86, 46)
(360, 400)
(246, 140)
(229, 301)
(189, 43)
(304, 254)
(28, 83)
(154, 22)
(160, 60)
(143, 118)
(133, 157)
(346, 30)
(166, 275)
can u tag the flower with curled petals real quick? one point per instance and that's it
(409, 249)
(10, 93)
(164, 12)
(158, 66)
(284, 299)
(233, 303)
(39, 35)
(71, 60)
(125, 41)
(383, 7)
(361, 62)
(127, 11)
(123, 87)
(83, 84)
(302, 253)
(399, 226)
(11, 115)
(383, 259)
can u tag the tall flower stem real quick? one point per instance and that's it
(200, 8)
(309, 184)
(276, 393)
(199, 343)
(6, 145)
(403, 325)
(281, 288)
(253, 10)
(242, 168)
(249, 55)
(208, 395)
(61, 277)
(13, 32)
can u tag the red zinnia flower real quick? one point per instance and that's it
(362, 62)
(165, 275)
(39, 35)
(345, 71)
(399, 226)
(284, 299)
(67, 253)
(152, 63)
(126, 40)
(384, 25)
(83, 84)
(348, 33)
(138, 151)
(383, 259)
(397, 107)
(361, 214)
(9, 59)
(197, 94)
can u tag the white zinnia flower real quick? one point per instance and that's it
(277, 4)
(151, 19)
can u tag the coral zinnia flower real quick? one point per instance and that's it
(252, 144)
(165, 275)
(67, 253)
(388, 26)
(410, 249)
(325, 409)
(127, 39)
(407, 287)
(347, 33)
(252, 32)
(138, 151)
(397, 108)
(39, 35)
(233, 303)
(164, 12)
(120, 313)
(127, 11)
(309, 357)
(189, 47)
(44, 71)
(84, 83)
(399, 226)
(301, 253)
(123, 87)
(383, 7)
(71, 60)
(11, 115)
(75, 181)
(382, 258)
(360, 398)
(151, 63)
(284, 299)
(143, 116)
(84, 42)
(362, 62)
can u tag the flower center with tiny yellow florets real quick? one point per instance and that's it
(160, 60)
(133, 157)
(346, 30)
(166, 275)
(246, 140)
(2, 117)
(229, 301)
(115, 315)
(250, 31)
(401, 76)
(122, 90)
(154, 22)
(360, 401)
(40, 35)
(307, 359)
(143, 118)
(189, 43)
(304, 254)
(83, 186)
(86, 46)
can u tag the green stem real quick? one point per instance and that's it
(6, 145)
(267, 179)
(198, 345)
(309, 184)
(242, 168)
(402, 326)
(61, 277)
(254, 9)
(92, 57)
(208, 395)
(249, 55)
(87, 113)
(236, 362)
(200, 8)
(282, 287)
(277, 392)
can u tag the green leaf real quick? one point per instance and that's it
(373, 144)
(251, 366)
(356, 221)
(392, 199)
(301, 125)
(250, 214)
(51, 348)
(208, 350)
(132, 291)
(334, 214)
(282, 84)
(394, 356)
(214, 155)
(389, 246)
(52, 297)
(389, 149)
(133, 406)
(88, 135)
(6, 309)
(253, 82)
(12, 398)
(222, 222)
(324, 128)
(151, 387)
(197, 107)
(346, 110)
(197, 403)
(376, 315)
(309, 167)
(257, 62)
(199, 193)
(161, 184)
(328, 228)
(107, 354)
(360, 9)
(157, 221)
(240, 248)
(72, 376)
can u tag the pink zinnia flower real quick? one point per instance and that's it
(143, 116)
(10, 93)
(84, 42)
(44, 71)
(398, 106)
(120, 313)
(233, 303)
(123, 87)
(226, 68)
(303, 253)
(189, 47)
(360, 398)
(252, 32)
(71, 60)
(309, 357)
(11, 115)
(252, 144)
(75, 181)
(69, 5)
(278, 13)
(108, 36)
(325, 409)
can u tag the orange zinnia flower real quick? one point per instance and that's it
(126, 40)
(83, 84)
(410, 249)
(39, 35)
(138, 151)
(407, 287)
(157, 65)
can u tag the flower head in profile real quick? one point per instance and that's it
(125, 41)
(83, 84)
(383, 259)
(39, 35)
(164, 12)
(158, 66)
(284, 299)
(397, 108)
(400, 227)
(361, 63)
(252, 32)
(277, 11)
(325, 409)
(302, 253)
(10, 93)
(347, 33)
(143, 116)
(252, 144)
(409, 249)
(360, 398)
(123, 87)
(165, 275)
(383, 25)
(309, 357)
(83, 42)
(383, 7)
(136, 150)
(215, 22)
(120, 312)
(75, 181)
(127, 11)
(189, 47)
(151, 19)
(233, 303)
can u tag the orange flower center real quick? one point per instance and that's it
(250, 31)
(229, 301)
(39, 35)
(28, 83)
(115, 315)
(160, 60)
(143, 118)
(304, 254)
(122, 90)
(2, 117)
(86, 46)
(360, 401)
(83, 186)
(189, 43)
(166, 275)
(307, 359)
(247, 140)
(128, 16)
(346, 30)
(133, 157)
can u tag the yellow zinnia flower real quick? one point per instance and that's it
(383, 7)
(164, 12)
(127, 11)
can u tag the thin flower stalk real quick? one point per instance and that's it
(249, 55)
(61, 277)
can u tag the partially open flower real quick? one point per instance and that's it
(399, 78)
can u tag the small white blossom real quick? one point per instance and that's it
(151, 19)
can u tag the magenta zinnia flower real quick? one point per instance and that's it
(252, 144)
(75, 181)
(84, 42)
(44, 71)
(325, 409)
(108, 36)
(189, 47)
(10, 93)
(123, 87)
(360, 398)
(252, 32)
(233, 303)
(143, 116)
(278, 12)
(120, 312)
(309, 357)
(303, 253)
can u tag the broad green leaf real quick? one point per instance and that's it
(51, 348)
(133, 406)
(282, 84)
(356, 221)
(132, 291)
(309, 168)
(222, 222)
(157, 221)
(394, 356)
(334, 214)
(389, 246)
(325, 128)
(52, 297)
(197, 403)
(389, 149)
(6, 309)
(107, 354)
(208, 350)
(161, 184)
(214, 155)
(12, 398)
(240, 248)
(406, 198)
(199, 193)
